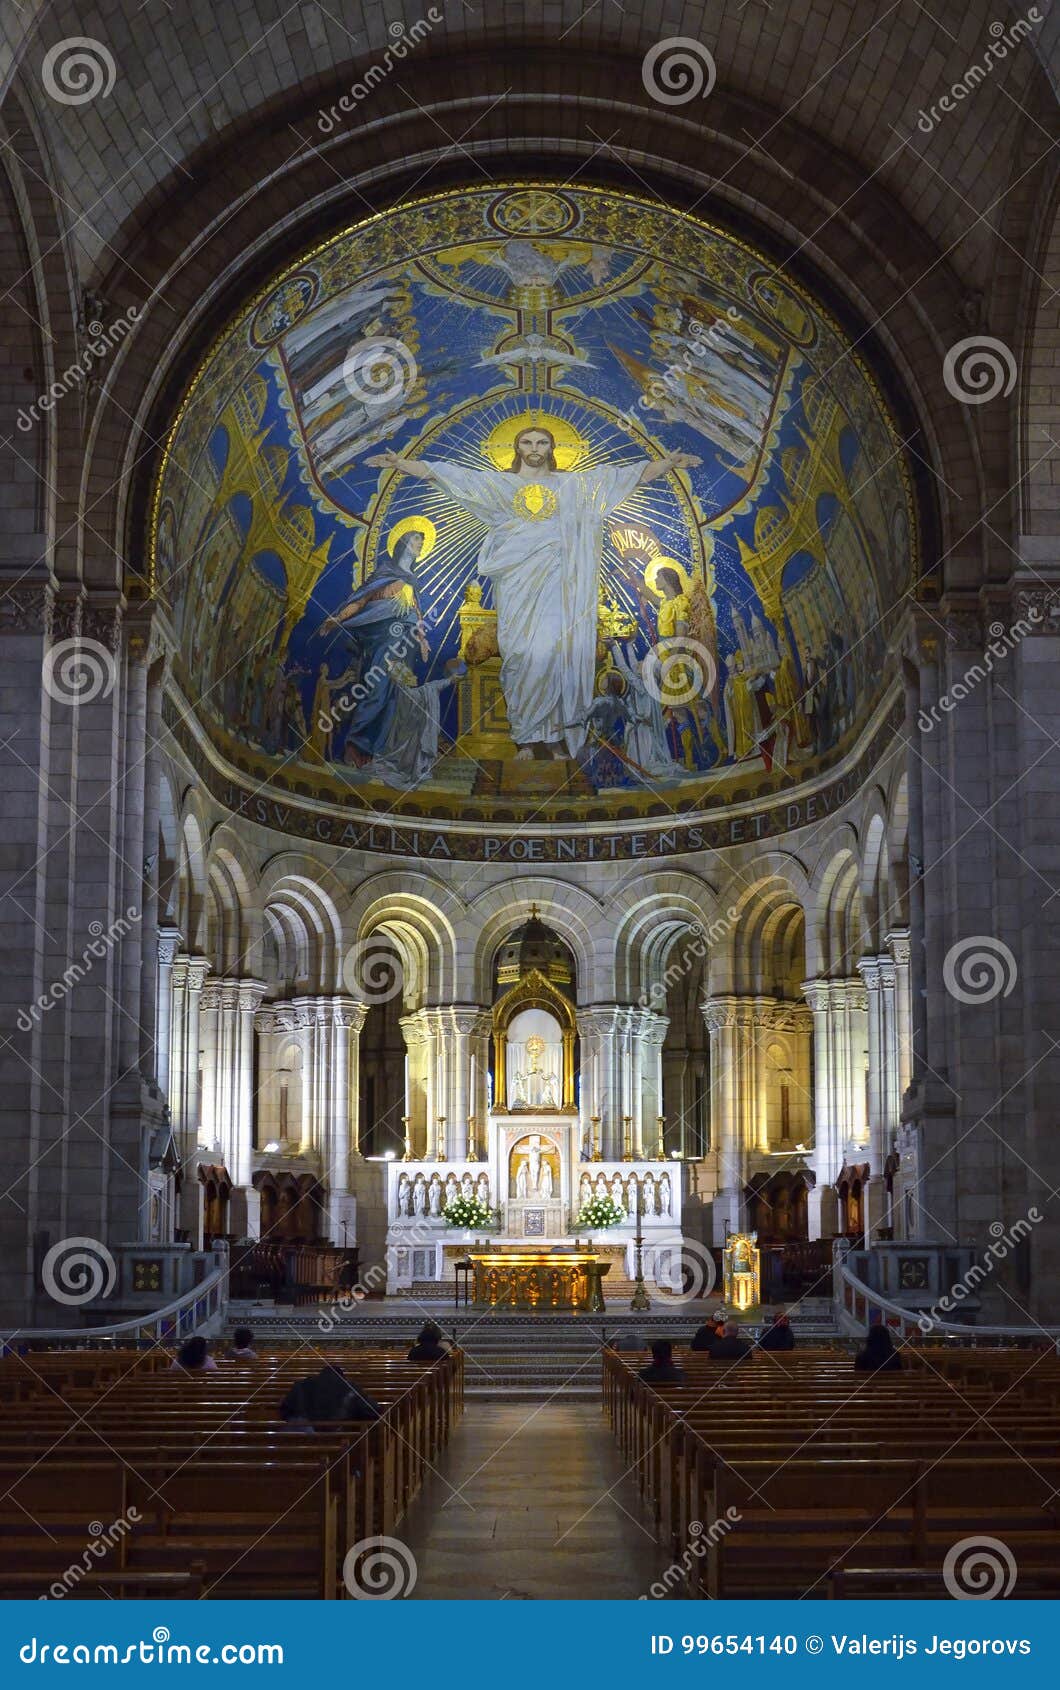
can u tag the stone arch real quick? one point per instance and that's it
(192, 880)
(302, 925)
(897, 909)
(656, 909)
(236, 928)
(576, 914)
(837, 910)
(767, 939)
(416, 912)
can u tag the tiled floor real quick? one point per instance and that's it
(531, 1503)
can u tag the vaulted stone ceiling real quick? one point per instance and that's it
(856, 72)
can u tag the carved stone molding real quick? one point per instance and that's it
(1040, 606)
(102, 623)
(66, 616)
(27, 607)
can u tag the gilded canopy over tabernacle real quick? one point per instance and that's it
(532, 503)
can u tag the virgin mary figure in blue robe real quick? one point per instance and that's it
(383, 620)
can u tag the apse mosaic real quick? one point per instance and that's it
(538, 497)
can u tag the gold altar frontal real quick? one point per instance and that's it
(538, 1279)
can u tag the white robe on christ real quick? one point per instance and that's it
(545, 573)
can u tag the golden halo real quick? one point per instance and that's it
(499, 444)
(413, 525)
(534, 502)
(659, 561)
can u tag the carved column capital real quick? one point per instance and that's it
(169, 942)
(27, 607)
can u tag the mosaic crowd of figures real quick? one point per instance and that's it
(656, 1192)
(423, 1196)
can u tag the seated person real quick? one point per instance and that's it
(706, 1334)
(878, 1354)
(326, 1396)
(626, 1343)
(430, 1345)
(194, 1357)
(730, 1346)
(662, 1369)
(777, 1334)
(242, 1345)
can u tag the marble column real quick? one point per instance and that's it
(169, 943)
(603, 1029)
(730, 1024)
(822, 1212)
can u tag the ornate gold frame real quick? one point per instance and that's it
(533, 991)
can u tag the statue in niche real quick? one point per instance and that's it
(664, 1194)
(419, 1196)
(647, 1188)
(436, 1196)
(482, 1190)
(452, 1190)
(585, 1190)
(534, 1086)
(618, 1196)
(467, 1185)
(601, 1186)
(403, 1196)
(535, 1175)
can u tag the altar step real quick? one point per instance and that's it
(516, 1357)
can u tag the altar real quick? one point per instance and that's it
(538, 1279)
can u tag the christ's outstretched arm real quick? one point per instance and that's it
(663, 466)
(408, 466)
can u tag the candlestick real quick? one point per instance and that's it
(595, 1119)
(472, 1147)
(439, 1152)
(627, 1138)
(660, 1152)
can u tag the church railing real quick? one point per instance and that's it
(857, 1306)
(204, 1305)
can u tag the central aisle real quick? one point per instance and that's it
(530, 1502)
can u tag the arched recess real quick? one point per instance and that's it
(235, 922)
(874, 877)
(192, 902)
(578, 917)
(764, 941)
(168, 875)
(302, 905)
(414, 913)
(896, 912)
(837, 914)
